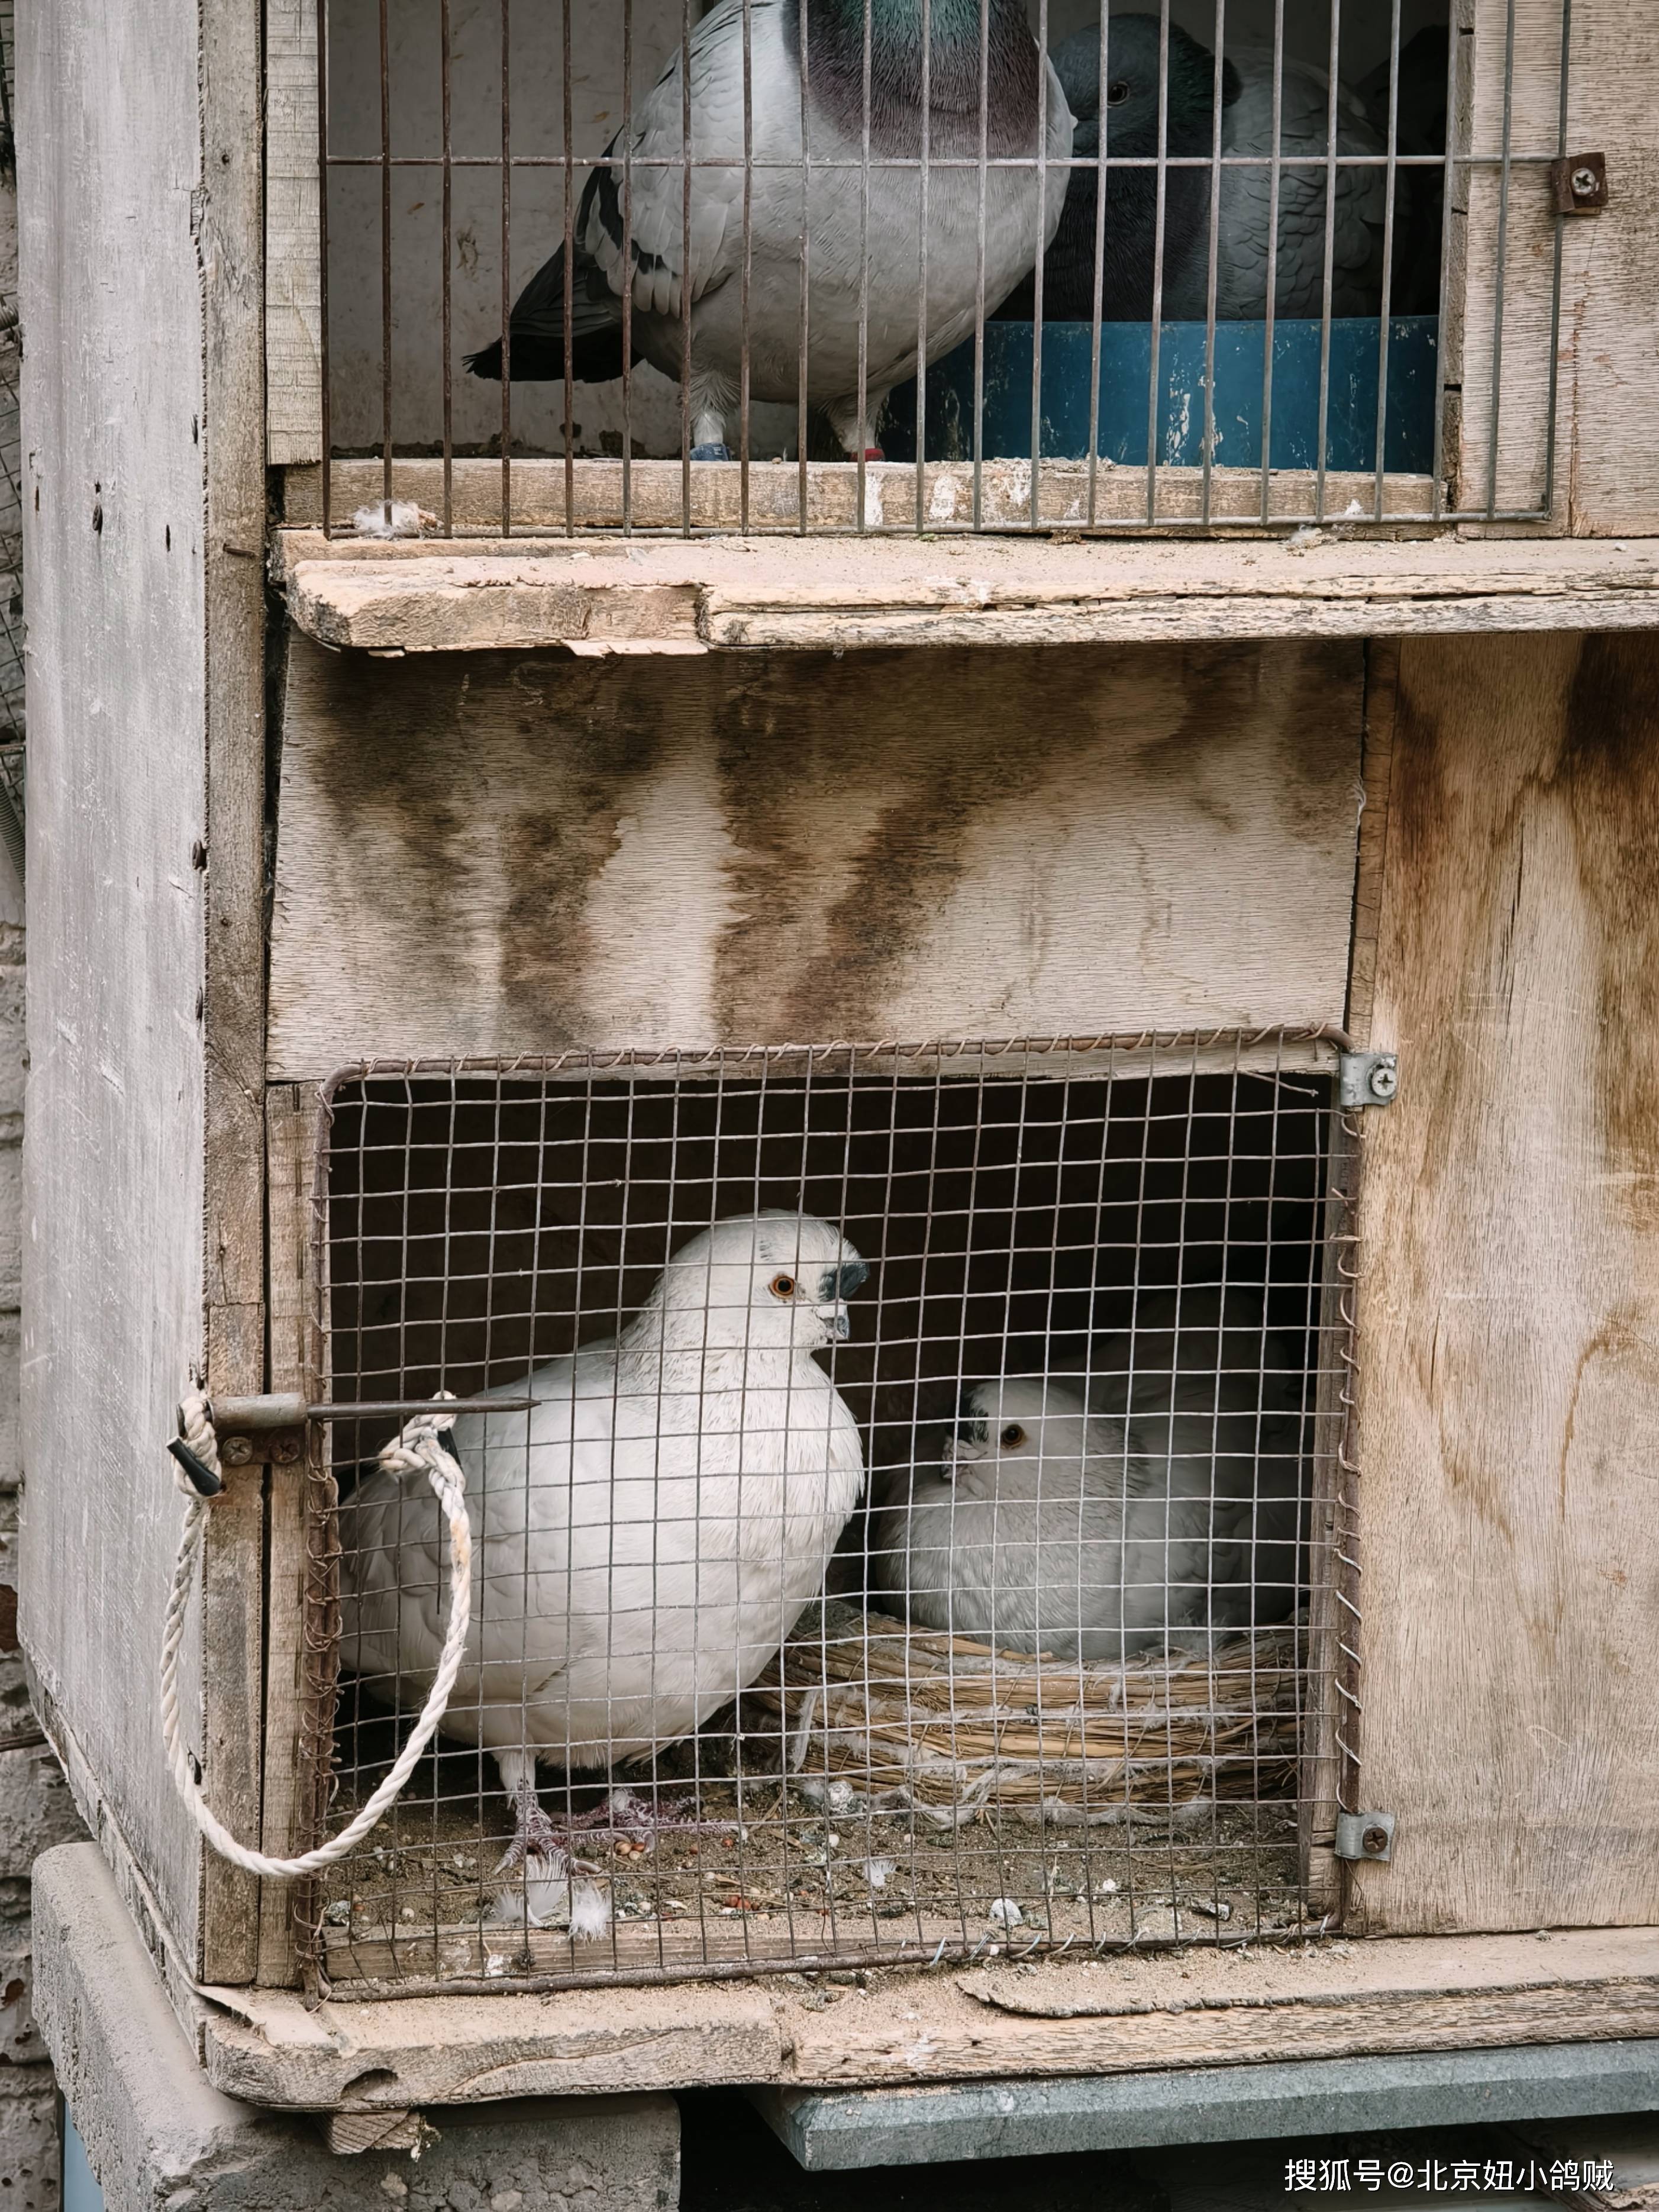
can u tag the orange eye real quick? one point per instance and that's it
(782, 1286)
(1013, 1434)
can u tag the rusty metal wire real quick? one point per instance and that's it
(884, 1791)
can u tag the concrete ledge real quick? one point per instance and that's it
(157, 2135)
(1233, 2103)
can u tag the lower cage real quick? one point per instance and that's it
(1025, 1451)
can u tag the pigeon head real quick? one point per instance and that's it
(1023, 1420)
(756, 1282)
(1133, 77)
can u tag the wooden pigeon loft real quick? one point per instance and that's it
(501, 797)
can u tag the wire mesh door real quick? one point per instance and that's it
(903, 1488)
(936, 266)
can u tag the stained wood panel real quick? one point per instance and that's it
(494, 854)
(1509, 1354)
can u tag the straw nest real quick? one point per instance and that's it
(873, 1712)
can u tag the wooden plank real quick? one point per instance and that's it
(932, 846)
(1508, 1388)
(1382, 699)
(114, 511)
(232, 1013)
(1233, 2006)
(291, 1124)
(294, 351)
(601, 603)
(538, 499)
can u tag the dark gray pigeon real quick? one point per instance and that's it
(1245, 209)
(1419, 194)
(848, 286)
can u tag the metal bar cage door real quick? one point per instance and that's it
(909, 1498)
(888, 266)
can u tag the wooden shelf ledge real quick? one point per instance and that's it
(1122, 2014)
(734, 594)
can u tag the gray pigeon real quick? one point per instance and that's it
(863, 266)
(1245, 205)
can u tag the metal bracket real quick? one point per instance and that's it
(1578, 183)
(1365, 1836)
(1367, 1078)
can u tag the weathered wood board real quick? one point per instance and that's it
(1230, 2007)
(143, 508)
(496, 854)
(1509, 1295)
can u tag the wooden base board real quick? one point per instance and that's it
(606, 596)
(1177, 2008)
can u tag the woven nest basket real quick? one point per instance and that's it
(902, 1719)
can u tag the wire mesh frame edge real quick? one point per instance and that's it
(1333, 1655)
(1452, 160)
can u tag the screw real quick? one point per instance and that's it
(285, 1450)
(1385, 1079)
(1584, 184)
(236, 1451)
(1376, 1841)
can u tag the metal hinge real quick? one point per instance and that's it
(1365, 1836)
(1367, 1078)
(1578, 184)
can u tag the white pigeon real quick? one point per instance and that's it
(861, 265)
(645, 1537)
(1155, 1498)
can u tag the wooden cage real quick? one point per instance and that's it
(300, 804)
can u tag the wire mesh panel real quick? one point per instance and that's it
(924, 265)
(901, 1486)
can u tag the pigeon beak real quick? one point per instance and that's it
(836, 1320)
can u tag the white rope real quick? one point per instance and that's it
(415, 1450)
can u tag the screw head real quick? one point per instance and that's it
(236, 1451)
(285, 1450)
(1385, 1079)
(1584, 183)
(1376, 1841)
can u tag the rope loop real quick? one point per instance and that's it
(417, 1449)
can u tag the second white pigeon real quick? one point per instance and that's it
(644, 1537)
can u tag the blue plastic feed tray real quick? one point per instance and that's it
(1126, 364)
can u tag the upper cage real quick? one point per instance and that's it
(953, 264)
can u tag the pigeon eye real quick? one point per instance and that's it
(782, 1286)
(1014, 1434)
(1117, 92)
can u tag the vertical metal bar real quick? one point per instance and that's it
(569, 302)
(743, 371)
(507, 275)
(979, 276)
(1213, 279)
(1320, 455)
(1270, 312)
(802, 414)
(327, 425)
(1153, 410)
(923, 201)
(448, 226)
(385, 269)
(1382, 455)
(1548, 502)
(1036, 273)
(1497, 275)
(1448, 176)
(861, 522)
(628, 270)
(685, 268)
(1102, 176)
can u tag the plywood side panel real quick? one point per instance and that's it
(495, 854)
(1508, 1357)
